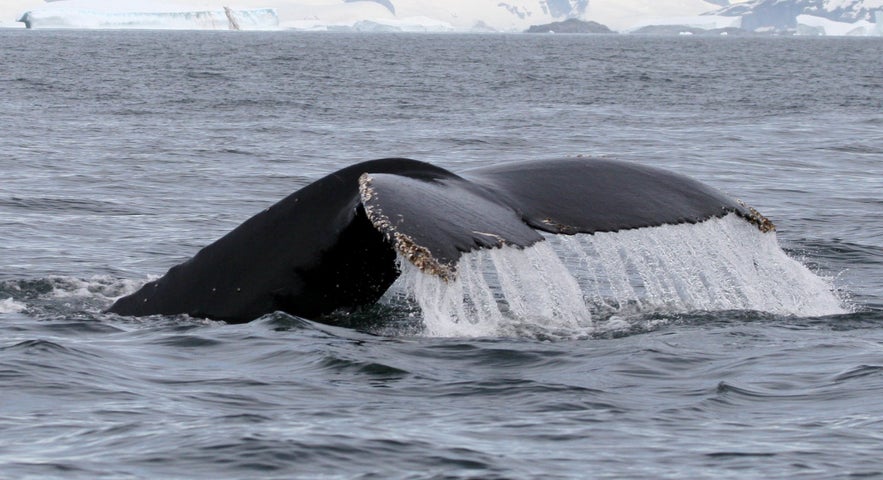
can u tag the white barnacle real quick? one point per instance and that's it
(422, 258)
(500, 240)
(415, 253)
(560, 227)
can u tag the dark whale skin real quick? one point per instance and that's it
(333, 244)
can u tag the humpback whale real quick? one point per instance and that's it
(334, 244)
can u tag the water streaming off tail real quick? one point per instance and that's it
(567, 282)
(493, 288)
(720, 264)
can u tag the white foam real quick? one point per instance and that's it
(495, 292)
(11, 306)
(558, 286)
(100, 287)
(720, 264)
(68, 293)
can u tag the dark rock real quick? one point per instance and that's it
(571, 25)
(684, 29)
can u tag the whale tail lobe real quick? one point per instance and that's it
(334, 244)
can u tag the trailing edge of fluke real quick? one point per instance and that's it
(333, 244)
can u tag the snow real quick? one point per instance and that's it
(626, 15)
(410, 15)
(259, 19)
(812, 25)
(834, 5)
(144, 14)
(423, 15)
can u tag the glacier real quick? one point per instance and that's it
(88, 14)
(221, 19)
(813, 25)
(828, 17)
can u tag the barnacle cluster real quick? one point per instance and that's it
(415, 253)
(757, 219)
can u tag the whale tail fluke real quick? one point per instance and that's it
(334, 243)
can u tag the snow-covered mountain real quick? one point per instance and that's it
(804, 16)
(783, 14)
(432, 15)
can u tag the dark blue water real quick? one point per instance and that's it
(122, 153)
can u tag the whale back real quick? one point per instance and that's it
(431, 223)
(309, 254)
(578, 195)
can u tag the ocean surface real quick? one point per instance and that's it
(124, 152)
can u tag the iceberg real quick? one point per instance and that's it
(86, 14)
(411, 24)
(812, 25)
(360, 17)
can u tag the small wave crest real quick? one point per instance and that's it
(9, 305)
(58, 293)
(586, 285)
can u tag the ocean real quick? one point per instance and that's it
(125, 152)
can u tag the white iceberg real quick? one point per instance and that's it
(812, 25)
(152, 15)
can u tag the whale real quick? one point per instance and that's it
(334, 245)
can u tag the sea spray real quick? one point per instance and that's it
(9, 305)
(563, 283)
(720, 264)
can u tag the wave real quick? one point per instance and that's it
(64, 297)
(65, 204)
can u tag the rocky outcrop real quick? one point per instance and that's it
(571, 25)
